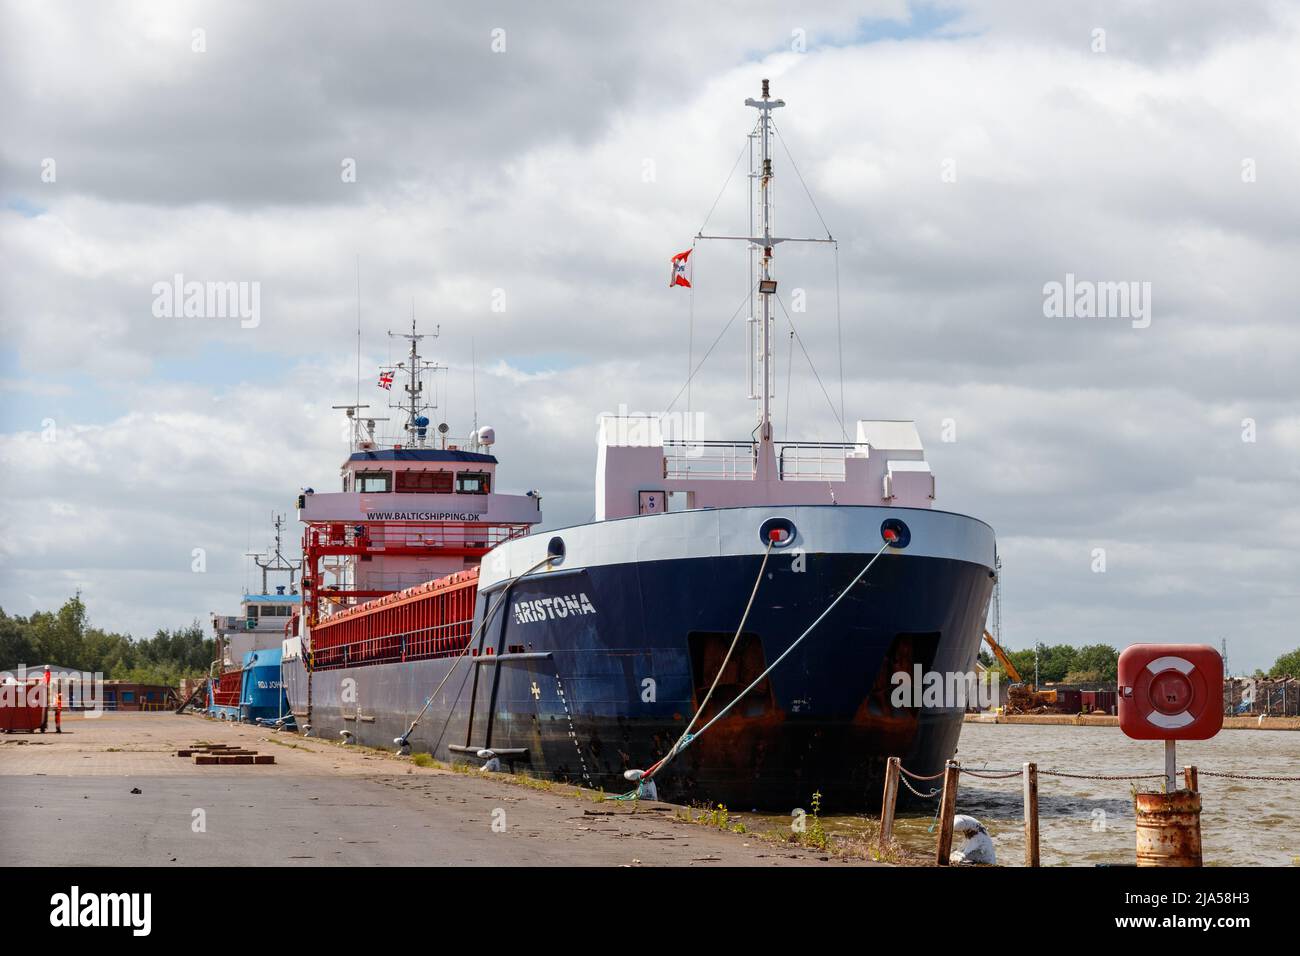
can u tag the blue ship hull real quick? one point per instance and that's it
(262, 697)
(596, 666)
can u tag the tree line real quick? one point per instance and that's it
(66, 639)
(1092, 663)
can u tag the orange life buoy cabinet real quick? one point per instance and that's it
(1170, 691)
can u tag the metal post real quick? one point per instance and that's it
(1031, 815)
(890, 801)
(765, 272)
(1171, 766)
(1189, 779)
(947, 810)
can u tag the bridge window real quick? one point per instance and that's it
(424, 482)
(373, 481)
(473, 483)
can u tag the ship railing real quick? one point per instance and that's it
(439, 640)
(434, 534)
(379, 581)
(261, 624)
(727, 460)
(812, 461)
(713, 460)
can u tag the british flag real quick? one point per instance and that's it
(386, 380)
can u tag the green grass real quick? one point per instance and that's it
(814, 834)
(717, 816)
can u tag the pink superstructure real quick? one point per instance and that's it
(638, 471)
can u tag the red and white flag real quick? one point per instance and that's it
(679, 269)
(386, 380)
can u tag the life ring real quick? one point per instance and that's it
(1171, 692)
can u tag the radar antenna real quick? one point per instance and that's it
(414, 405)
(276, 561)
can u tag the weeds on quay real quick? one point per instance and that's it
(863, 843)
(814, 833)
(718, 817)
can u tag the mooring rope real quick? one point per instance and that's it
(700, 364)
(811, 627)
(404, 740)
(687, 740)
(686, 734)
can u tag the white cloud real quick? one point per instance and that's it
(527, 175)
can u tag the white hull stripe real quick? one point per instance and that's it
(728, 532)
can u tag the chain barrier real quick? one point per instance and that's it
(924, 796)
(1002, 773)
(1102, 776)
(1245, 776)
(917, 776)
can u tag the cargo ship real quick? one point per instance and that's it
(732, 623)
(245, 682)
(390, 562)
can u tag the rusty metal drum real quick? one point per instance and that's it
(1169, 828)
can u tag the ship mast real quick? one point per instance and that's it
(766, 285)
(277, 561)
(416, 425)
(763, 245)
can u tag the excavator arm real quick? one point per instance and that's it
(1003, 659)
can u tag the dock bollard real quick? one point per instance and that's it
(1168, 828)
(889, 801)
(947, 810)
(1031, 814)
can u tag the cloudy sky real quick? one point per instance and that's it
(549, 158)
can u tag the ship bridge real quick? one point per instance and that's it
(419, 484)
(405, 516)
(409, 509)
(260, 626)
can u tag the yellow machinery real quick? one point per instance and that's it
(1003, 659)
(1019, 695)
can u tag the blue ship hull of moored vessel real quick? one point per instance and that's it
(587, 671)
